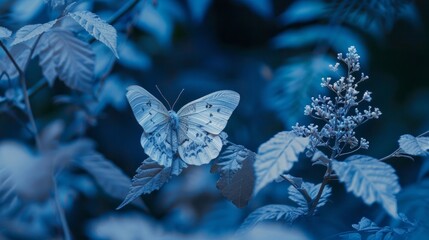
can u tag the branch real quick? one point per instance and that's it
(23, 83)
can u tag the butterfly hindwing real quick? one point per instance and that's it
(149, 111)
(197, 146)
(211, 112)
(157, 145)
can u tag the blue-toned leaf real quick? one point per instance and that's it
(271, 212)
(24, 11)
(198, 9)
(309, 36)
(98, 28)
(72, 60)
(413, 201)
(132, 56)
(424, 168)
(289, 91)
(20, 53)
(236, 182)
(351, 236)
(4, 32)
(370, 179)
(263, 8)
(151, 176)
(56, 3)
(30, 31)
(416, 146)
(108, 176)
(312, 190)
(301, 11)
(158, 23)
(365, 224)
(276, 156)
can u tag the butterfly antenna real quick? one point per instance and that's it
(178, 98)
(163, 97)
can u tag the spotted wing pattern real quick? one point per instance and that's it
(154, 118)
(200, 122)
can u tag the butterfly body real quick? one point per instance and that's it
(191, 134)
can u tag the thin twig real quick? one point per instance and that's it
(25, 93)
(60, 210)
(326, 179)
(398, 153)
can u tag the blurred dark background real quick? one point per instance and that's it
(274, 54)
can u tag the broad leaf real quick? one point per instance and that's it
(277, 156)
(72, 60)
(98, 28)
(271, 212)
(30, 31)
(4, 32)
(293, 84)
(416, 146)
(236, 182)
(312, 190)
(150, 176)
(365, 224)
(370, 179)
(108, 176)
(20, 53)
(198, 9)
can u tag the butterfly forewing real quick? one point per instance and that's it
(200, 122)
(211, 112)
(149, 111)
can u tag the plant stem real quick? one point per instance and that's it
(398, 153)
(25, 94)
(316, 200)
(60, 210)
(303, 192)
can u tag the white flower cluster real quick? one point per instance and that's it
(339, 113)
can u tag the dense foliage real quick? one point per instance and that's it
(283, 141)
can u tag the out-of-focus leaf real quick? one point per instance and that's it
(72, 60)
(132, 56)
(4, 32)
(124, 227)
(198, 9)
(236, 182)
(98, 28)
(263, 8)
(424, 169)
(290, 90)
(365, 224)
(271, 212)
(276, 156)
(150, 176)
(25, 10)
(30, 31)
(108, 176)
(20, 53)
(309, 36)
(413, 201)
(56, 3)
(370, 179)
(302, 11)
(416, 146)
(30, 175)
(158, 23)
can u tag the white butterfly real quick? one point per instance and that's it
(192, 132)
